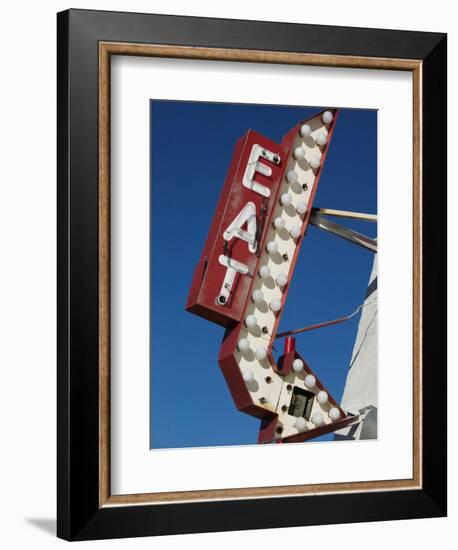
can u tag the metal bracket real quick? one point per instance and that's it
(348, 234)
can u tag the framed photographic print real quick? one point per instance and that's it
(252, 274)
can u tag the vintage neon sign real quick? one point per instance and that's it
(243, 276)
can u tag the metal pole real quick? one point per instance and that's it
(348, 234)
(346, 214)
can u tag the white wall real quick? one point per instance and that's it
(27, 274)
(361, 385)
(361, 388)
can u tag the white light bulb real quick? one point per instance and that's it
(279, 223)
(257, 296)
(334, 414)
(327, 117)
(261, 353)
(291, 176)
(295, 232)
(247, 375)
(300, 423)
(281, 279)
(285, 199)
(275, 305)
(298, 365)
(317, 419)
(301, 207)
(264, 272)
(315, 162)
(299, 153)
(310, 381)
(321, 139)
(243, 345)
(306, 130)
(272, 247)
(251, 321)
(322, 397)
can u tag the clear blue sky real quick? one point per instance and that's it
(191, 147)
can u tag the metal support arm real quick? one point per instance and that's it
(353, 236)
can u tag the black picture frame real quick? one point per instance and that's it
(80, 515)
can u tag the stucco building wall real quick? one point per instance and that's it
(360, 392)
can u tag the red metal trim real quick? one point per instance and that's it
(288, 141)
(285, 362)
(267, 430)
(322, 430)
(290, 344)
(233, 376)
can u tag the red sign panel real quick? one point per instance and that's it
(222, 278)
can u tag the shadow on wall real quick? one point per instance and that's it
(48, 525)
